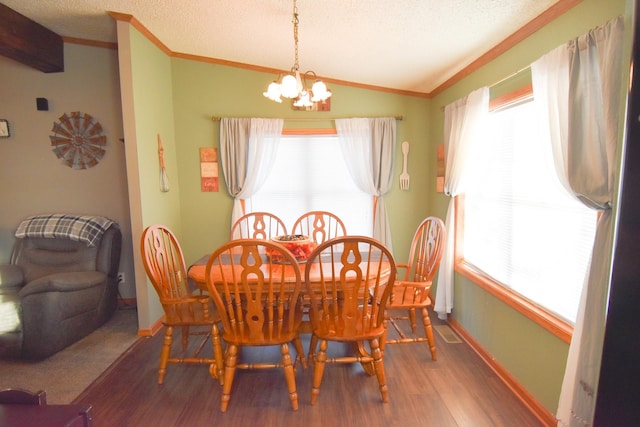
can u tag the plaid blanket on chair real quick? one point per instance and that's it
(87, 229)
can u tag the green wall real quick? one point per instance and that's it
(154, 112)
(177, 98)
(147, 100)
(202, 90)
(532, 355)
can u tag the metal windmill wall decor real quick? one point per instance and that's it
(78, 140)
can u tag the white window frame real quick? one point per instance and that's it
(357, 221)
(561, 327)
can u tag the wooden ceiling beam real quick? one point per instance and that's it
(29, 43)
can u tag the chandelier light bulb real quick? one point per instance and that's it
(273, 92)
(289, 86)
(320, 91)
(303, 100)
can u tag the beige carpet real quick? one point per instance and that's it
(67, 373)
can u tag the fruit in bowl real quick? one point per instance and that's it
(299, 245)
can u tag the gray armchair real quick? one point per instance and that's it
(57, 290)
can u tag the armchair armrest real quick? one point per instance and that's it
(64, 282)
(410, 293)
(11, 276)
(188, 307)
(406, 270)
(417, 285)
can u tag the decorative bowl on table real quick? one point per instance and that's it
(299, 245)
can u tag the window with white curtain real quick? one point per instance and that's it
(310, 174)
(520, 226)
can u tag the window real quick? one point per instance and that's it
(520, 226)
(310, 174)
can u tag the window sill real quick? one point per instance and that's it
(557, 327)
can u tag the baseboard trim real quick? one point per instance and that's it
(155, 327)
(146, 332)
(536, 408)
(127, 302)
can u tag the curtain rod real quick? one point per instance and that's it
(504, 79)
(311, 119)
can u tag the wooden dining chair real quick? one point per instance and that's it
(192, 314)
(320, 226)
(412, 292)
(350, 269)
(258, 301)
(258, 225)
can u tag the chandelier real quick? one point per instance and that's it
(291, 85)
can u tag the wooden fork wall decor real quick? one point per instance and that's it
(404, 176)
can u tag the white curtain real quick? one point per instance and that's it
(579, 87)
(368, 146)
(248, 148)
(463, 120)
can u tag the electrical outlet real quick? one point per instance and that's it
(120, 277)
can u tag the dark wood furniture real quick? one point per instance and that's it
(21, 415)
(23, 408)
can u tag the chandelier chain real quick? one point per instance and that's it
(295, 21)
(294, 85)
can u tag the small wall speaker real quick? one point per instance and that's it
(42, 104)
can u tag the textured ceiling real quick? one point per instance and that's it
(412, 45)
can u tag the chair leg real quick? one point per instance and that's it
(318, 371)
(312, 349)
(426, 320)
(412, 319)
(289, 376)
(231, 358)
(217, 369)
(383, 339)
(378, 363)
(185, 337)
(164, 353)
(297, 342)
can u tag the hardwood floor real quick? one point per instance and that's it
(456, 390)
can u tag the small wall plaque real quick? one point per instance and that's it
(209, 169)
(4, 129)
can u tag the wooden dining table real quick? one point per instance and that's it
(197, 271)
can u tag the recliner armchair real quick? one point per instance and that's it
(57, 290)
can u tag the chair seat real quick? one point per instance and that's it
(190, 314)
(409, 297)
(190, 317)
(333, 327)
